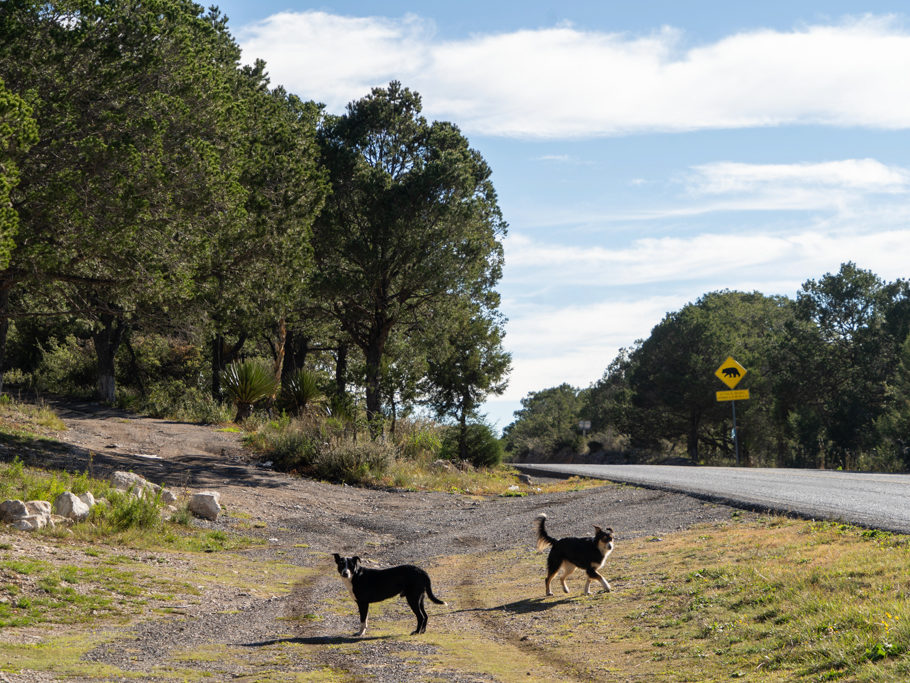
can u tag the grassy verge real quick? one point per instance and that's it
(97, 592)
(27, 419)
(775, 600)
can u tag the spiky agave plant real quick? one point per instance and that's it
(245, 383)
(301, 389)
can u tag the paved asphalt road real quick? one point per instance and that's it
(880, 501)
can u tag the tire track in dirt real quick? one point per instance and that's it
(486, 619)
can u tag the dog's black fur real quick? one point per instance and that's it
(568, 553)
(375, 585)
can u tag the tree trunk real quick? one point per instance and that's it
(373, 391)
(463, 436)
(107, 341)
(692, 440)
(217, 365)
(244, 410)
(222, 356)
(4, 331)
(279, 357)
(296, 347)
(341, 369)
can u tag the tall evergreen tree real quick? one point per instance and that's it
(132, 101)
(411, 227)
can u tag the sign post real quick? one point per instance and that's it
(730, 373)
(584, 426)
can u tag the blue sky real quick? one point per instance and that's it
(643, 153)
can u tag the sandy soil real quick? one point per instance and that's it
(303, 522)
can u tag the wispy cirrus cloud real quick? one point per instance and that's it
(564, 81)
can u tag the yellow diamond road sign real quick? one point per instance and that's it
(730, 372)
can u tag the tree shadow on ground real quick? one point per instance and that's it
(190, 470)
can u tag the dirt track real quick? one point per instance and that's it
(304, 522)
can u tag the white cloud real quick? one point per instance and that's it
(865, 175)
(336, 59)
(563, 81)
(576, 343)
(716, 257)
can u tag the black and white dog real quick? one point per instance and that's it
(375, 585)
(568, 553)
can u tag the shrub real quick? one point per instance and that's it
(67, 367)
(482, 447)
(420, 443)
(132, 512)
(174, 400)
(246, 383)
(16, 377)
(342, 408)
(159, 360)
(300, 390)
(291, 449)
(352, 463)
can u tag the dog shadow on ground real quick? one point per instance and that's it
(526, 606)
(316, 640)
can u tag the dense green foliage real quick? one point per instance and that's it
(410, 231)
(167, 218)
(827, 375)
(18, 132)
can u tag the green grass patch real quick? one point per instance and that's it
(122, 521)
(771, 600)
(28, 419)
(780, 599)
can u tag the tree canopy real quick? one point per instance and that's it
(826, 374)
(411, 227)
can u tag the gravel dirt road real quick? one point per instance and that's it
(303, 522)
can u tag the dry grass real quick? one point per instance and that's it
(778, 600)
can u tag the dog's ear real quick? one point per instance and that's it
(355, 560)
(597, 529)
(337, 557)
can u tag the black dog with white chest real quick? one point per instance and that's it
(570, 553)
(374, 585)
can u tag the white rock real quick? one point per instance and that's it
(205, 504)
(32, 522)
(168, 497)
(68, 505)
(38, 507)
(130, 481)
(11, 510)
(88, 499)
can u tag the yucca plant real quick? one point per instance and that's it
(245, 383)
(301, 389)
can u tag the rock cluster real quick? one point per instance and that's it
(69, 508)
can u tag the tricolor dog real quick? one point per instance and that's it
(567, 554)
(375, 585)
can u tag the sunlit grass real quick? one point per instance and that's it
(780, 599)
(21, 419)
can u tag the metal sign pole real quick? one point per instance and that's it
(735, 433)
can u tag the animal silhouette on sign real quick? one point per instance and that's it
(730, 372)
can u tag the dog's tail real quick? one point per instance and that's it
(433, 597)
(543, 538)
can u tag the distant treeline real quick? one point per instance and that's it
(165, 212)
(828, 375)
